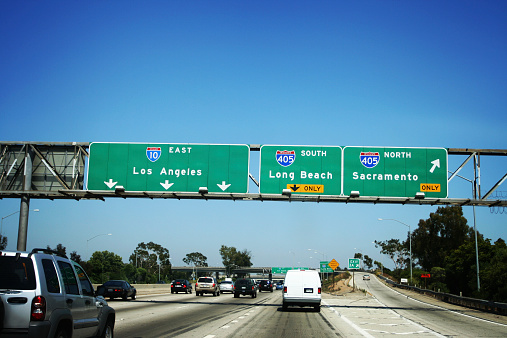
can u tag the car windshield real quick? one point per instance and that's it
(179, 281)
(205, 280)
(226, 282)
(16, 273)
(113, 283)
(243, 282)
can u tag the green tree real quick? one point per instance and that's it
(106, 265)
(3, 242)
(396, 251)
(59, 248)
(368, 262)
(438, 236)
(195, 259)
(232, 258)
(149, 256)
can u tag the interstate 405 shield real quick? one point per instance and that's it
(169, 167)
(313, 170)
(395, 172)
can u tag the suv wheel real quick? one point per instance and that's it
(62, 332)
(108, 330)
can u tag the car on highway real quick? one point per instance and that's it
(207, 285)
(366, 277)
(279, 286)
(227, 286)
(119, 289)
(181, 285)
(45, 294)
(266, 285)
(245, 287)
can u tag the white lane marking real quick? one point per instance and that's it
(354, 326)
(442, 308)
(425, 329)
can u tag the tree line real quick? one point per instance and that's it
(149, 263)
(444, 246)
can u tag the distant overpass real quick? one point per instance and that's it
(221, 269)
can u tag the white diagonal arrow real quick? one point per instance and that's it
(223, 186)
(166, 185)
(110, 184)
(435, 163)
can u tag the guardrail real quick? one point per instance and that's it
(473, 303)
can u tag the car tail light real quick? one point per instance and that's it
(284, 289)
(184, 286)
(172, 285)
(319, 290)
(213, 284)
(38, 308)
(196, 285)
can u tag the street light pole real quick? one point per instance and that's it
(2, 221)
(93, 238)
(409, 237)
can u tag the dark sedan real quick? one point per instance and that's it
(118, 289)
(181, 285)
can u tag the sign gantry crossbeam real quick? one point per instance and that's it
(221, 172)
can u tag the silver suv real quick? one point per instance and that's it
(45, 294)
(207, 285)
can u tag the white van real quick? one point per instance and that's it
(302, 288)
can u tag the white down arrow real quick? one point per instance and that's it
(223, 186)
(166, 185)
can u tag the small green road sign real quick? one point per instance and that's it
(309, 170)
(164, 167)
(279, 270)
(395, 172)
(324, 267)
(354, 263)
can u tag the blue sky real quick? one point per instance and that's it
(369, 73)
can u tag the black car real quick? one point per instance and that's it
(118, 289)
(245, 286)
(181, 285)
(266, 285)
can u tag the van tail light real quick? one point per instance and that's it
(38, 308)
(213, 284)
(284, 289)
(319, 290)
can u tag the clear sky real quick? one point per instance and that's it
(345, 73)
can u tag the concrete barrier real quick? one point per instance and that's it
(148, 289)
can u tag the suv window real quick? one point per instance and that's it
(243, 282)
(86, 286)
(69, 279)
(52, 283)
(205, 280)
(17, 273)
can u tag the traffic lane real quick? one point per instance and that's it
(180, 314)
(267, 319)
(435, 318)
(357, 313)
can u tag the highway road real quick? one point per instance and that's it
(379, 312)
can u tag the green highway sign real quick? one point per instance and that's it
(312, 170)
(395, 172)
(164, 167)
(279, 270)
(324, 267)
(354, 263)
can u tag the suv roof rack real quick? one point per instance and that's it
(48, 251)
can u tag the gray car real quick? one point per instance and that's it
(45, 294)
(207, 285)
(227, 286)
